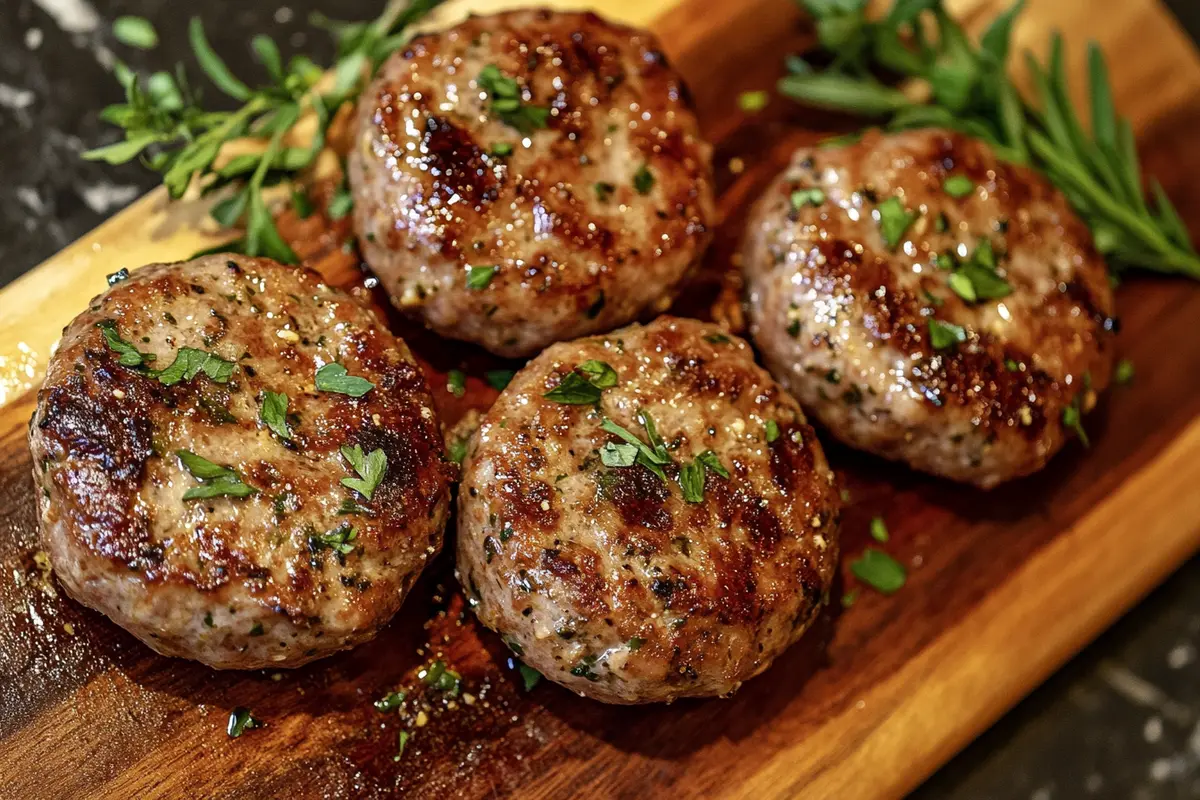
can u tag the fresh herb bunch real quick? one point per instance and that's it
(969, 90)
(172, 133)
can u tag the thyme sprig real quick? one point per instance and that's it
(969, 90)
(167, 127)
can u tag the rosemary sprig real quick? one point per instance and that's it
(171, 132)
(969, 90)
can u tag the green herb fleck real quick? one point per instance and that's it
(440, 677)
(958, 186)
(604, 191)
(850, 598)
(240, 721)
(456, 382)
(457, 450)
(1073, 420)
(401, 742)
(757, 100)
(944, 335)
(652, 456)
(618, 454)
(341, 203)
(370, 469)
(717, 338)
(499, 379)
(584, 384)
(691, 481)
(502, 149)
(879, 571)
(389, 702)
(130, 356)
(636, 643)
(506, 101)
(273, 413)
(807, 197)
(530, 677)
(710, 460)
(772, 428)
(190, 362)
(479, 277)
(894, 221)
(879, 531)
(340, 540)
(333, 378)
(1124, 372)
(216, 480)
(643, 180)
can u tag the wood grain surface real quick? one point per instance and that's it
(1004, 586)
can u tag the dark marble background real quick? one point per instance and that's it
(1122, 720)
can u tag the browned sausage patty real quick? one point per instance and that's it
(209, 500)
(928, 302)
(530, 177)
(635, 579)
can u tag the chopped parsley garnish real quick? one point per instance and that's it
(273, 413)
(389, 702)
(894, 221)
(691, 481)
(618, 454)
(215, 480)
(1073, 420)
(401, 742)
(584, 668)
(370, 469)
(652, 456)
(636, 643)
(301, 204)
(190, 362)
(717, 338)
(257, 630)
(530, 677)
(751, 102)
(457, 450)
(333, 378)
(348, 506)
(130, 356)
(339, 540)
(480, 277)
(879, 531)
(240, 721)
(963, 287)
(958, 186)
(502, 149)
(583, 385)
(772, 428)
(850, 598)
(499, 379)
(116, 277)
(985, 283)
(944, 335)
(341, 203)
(440, 677)
(604, 191)
(807, 197)
(456, 382)
(879, 571)
(505, 94)
(1124, 372)
(710, 460)
(643, 180)
(135, 32)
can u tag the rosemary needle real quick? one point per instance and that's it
(970, 91)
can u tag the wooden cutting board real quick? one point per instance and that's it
(1004, 586)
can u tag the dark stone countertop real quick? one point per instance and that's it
(1122, 720)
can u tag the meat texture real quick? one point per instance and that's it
(237, 463)
(646, 515)
(529, 177)
(930, 303)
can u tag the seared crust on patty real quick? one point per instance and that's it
(302, 567)
(592, 200)
(607, 579)
(846, 319)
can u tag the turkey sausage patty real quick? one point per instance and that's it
(530, 177)
(237, 463)
(930, 303)
(646, 515)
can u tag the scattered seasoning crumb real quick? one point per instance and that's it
(117, 393)
(422, 719)
(288, 335)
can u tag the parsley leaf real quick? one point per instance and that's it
(442, 678)
(389, 702)
(879, 531)
(772, 428)
(190, 362)
(530, 677)
(240, 721)
(618, 454)
(457, 450)
(985, 283)
(338, 540)
(370, 469)
(753, 101)
(894, 221)
(401, 742)
(135, 32)
(958, 186)
(879, 571)
(480, 277)
(456, 382)
(273, 413)
(691, 481)
(806, 197)
(499, 379)
(1073, 419)
(944, 335)
(130, 356)
(341, 204)
(643, 180)
(1123, 374)
(506, 101)
(710, 460)
(216, 480)
(333, 378)
(652, 456)
(584, 384)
